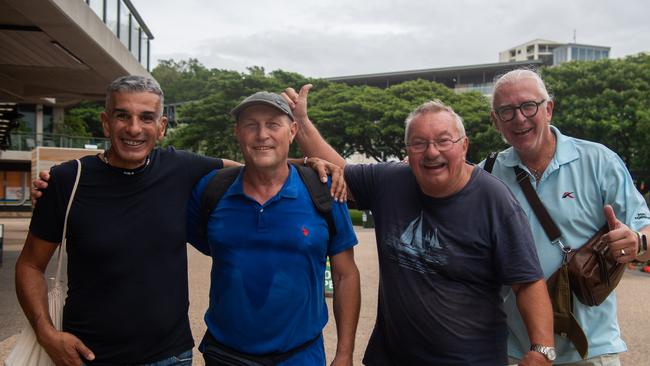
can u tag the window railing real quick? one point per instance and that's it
(485, 89)
(28, 141)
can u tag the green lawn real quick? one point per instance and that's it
(355, 215)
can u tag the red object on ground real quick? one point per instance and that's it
(646, 269)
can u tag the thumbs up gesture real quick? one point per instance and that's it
(623, 241)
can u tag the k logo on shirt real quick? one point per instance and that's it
(567, 195)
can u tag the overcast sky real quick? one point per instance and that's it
(335, 38)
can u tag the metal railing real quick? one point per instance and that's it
(28, 141)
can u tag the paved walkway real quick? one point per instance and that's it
(634, 299)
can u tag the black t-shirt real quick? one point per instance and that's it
(442, 262)
(127, 259)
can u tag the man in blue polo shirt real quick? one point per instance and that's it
(269, 246)
(574, 179)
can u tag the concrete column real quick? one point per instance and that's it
(58, 116)
(39, 125)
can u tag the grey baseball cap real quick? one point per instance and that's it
(271, 99)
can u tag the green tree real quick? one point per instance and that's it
(182, 80)
(606, 101)
(82, 120)
(370, 120)
(207, 126)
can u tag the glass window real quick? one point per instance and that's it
(48, 125)
(124, 24)
(111, 15)
(144, 51)
(135, 37)
(28, 121)
(98, 7)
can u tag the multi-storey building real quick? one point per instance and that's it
(533, 54)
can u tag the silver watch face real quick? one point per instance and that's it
(548, 352)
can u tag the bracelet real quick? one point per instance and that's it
(643, 243)
(304, 160)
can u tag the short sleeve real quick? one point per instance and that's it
(345, 237)
(516, 259)
(618, 190)
(198, 165)
(194, 218)
(362, 183)
(49, 213)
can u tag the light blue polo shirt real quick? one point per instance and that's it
(268, 265)
(582, 177)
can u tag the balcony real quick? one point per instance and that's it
(28, 141)
(484, 88)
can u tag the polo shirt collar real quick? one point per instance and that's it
(288, 190)
(565, 152)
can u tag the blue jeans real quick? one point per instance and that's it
(181, 359)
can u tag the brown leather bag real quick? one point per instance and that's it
(593, 271)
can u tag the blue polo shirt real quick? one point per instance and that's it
(582, 177)
(268, 265)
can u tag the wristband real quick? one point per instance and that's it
(643, 243)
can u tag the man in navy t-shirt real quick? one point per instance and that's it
(449, 236)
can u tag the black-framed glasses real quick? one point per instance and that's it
(440, 145)
(528, 109)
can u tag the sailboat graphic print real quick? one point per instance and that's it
(419, 247)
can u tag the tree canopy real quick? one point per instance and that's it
(606, 101)
(362, 119)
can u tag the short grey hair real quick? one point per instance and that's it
(134, 84)
(518, 75)
(432, 106)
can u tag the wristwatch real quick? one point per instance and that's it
(547, 351)
(643, 243)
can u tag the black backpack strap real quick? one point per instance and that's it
(489, 161)
(320, 195)
(213, 192)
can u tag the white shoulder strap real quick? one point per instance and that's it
(57, 278)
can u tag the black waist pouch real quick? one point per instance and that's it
(217, 354)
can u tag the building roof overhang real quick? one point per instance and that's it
(435, 73)
(58, 49)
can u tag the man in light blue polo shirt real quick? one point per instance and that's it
(269, 246)
(583, 185)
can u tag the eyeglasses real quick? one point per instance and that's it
(528, 109)
(440, 145)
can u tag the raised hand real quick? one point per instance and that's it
(298, 101)
(623, 241)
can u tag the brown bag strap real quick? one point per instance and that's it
(550, 228)
(564, 322)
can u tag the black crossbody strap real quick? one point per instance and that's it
(489, 161)
(550, 228)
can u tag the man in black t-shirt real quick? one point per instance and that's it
(127, 295)
(449, 236)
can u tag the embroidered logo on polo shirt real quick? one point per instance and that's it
(568, 195)
(305, 232)
(641, 216)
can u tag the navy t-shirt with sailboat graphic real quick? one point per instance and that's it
(443, 262)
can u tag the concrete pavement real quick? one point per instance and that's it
(633, 294)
